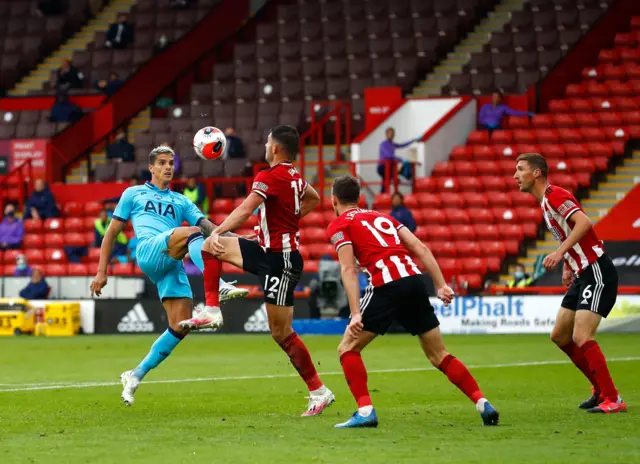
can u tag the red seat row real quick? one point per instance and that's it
(507, 167)
(474, 184)
(509, 152)
(610, 71)
(548, 136)
(477, 232)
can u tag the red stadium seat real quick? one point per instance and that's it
(452, 200)
(470, 184)
(499, 199)
(478, 137)
(505, 215)
(511, 232)
(33, 241)
(493, 248)
(559, 106)
(237, 202)
(252, 221)
(310, 235)
(522, 199)
(517, 122)
(73, 208)
(502, 136)
(484, 152)
(472, 281)
(329, 216)
(601, 163)
(77, 269)
(55, 255)
(318, 250)
(442, 168)
(54, 224)
(480, 216)
(313, 219)
(304, 252)
(428, 200)
(425, 184)
(382, 201)
(619, 89)
(410, 201)
(524, 136)
(512, 247)
(449, 267)
(465, 168)
(34, 257)
(75, 239)
(217, 218)
(576, 150)
(9, 256)
(494, 263)
(599, 149)
(461, 152)
(33, 226)
(569, 135)
(473, 265)
(434, 216)
(587, 120)
(310, 266)
(73, 224)
(55, 270)
(580, 105)
(529, 214)
(92, 208)
(565, 181)
(475, 200)
(89, 223)
(122, 269)
(443, 249)
(530, 229)
(467, 249)
(222, 205)
(486, 232)
(593, 134)
(52, 240)
(9, 270)
(490, 168)
(438, 232)
(628, 117)
(456, 216)
(547, 136)
(421, 233)
(448, 184)
(465, 232)
(493, 184)
(542, 120)
(553, 151)
(578, 89)
(419, 216)
(583, 165)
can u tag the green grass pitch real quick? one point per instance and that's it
(59, 403)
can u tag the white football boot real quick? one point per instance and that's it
(319, 401)
(230, 292)
(208, 318)
(130, 384)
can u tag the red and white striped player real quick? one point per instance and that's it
(282, 197)
(397, 291)
(589, 275)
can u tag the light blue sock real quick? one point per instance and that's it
(161, 348)
(194, 243)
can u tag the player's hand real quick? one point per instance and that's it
(98, 283)
(355, 325)
(567, 277)
(212, 244)
(551, 261)
(445, 294)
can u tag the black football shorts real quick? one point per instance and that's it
(596, 289)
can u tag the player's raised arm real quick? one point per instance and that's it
(115, 227)
(309, 200)
(423, 253)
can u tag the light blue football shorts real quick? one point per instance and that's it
(166, 273)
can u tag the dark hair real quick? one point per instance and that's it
(499, 92)
(536, 161)
(397, 194)
(346, 189)
(288, 138)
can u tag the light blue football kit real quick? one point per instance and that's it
(155, 214)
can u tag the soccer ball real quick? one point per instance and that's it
(209, 143)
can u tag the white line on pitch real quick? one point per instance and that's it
(63, 386)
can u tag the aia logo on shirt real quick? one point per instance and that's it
(167, 210)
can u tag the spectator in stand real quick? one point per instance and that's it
(195, 192)
(100, 228)
(68, 77)
(121, 150)
(235, 147)
(11, 229)
(520, 278)
(37, 289)
(22, 267)
(161, 44)
(492, 114)
(120, 33)
(401, 213)
(388, 158)
(111, 86)
(41, 204)
(63, 110)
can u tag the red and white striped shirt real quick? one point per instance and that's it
(282, 188)
(558, 205)
(376, 244)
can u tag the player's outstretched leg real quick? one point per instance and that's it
(457, 373)
(177, 308)
(227, 290)
(562, 336)
(355, 374)
(586, 324)
(280, 323)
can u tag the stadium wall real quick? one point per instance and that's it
(424, 119)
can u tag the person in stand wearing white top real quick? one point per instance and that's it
(589, 275)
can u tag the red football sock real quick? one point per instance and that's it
(576, 355)
(301, 360)
(459, 375)
(356, 375)
(598, 367)
(212, 272)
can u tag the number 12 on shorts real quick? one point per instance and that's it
(275, 282)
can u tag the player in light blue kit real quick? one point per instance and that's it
(157, 214)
